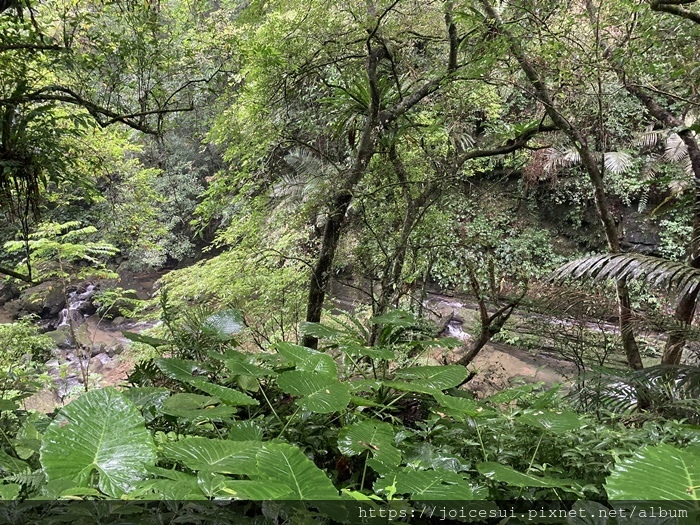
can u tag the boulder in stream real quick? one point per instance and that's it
(45, 300)
(8, 291)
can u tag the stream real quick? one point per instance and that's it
(103, 343)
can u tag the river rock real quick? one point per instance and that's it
(115, 350)
(87, 308)
(83, 336)
(8, 291)
(98, 349)
(100, 363)
(45, 299)
(62, 337)
(13, 308)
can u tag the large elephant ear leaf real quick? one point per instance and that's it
(429, 379)
(555, 422)
(424, 485)
(100, 436)
(372, 436)
(661, 472)
(283, 463)
(318, 393)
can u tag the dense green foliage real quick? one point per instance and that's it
(307, 174)
(299, 424)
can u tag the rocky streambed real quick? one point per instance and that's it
(89, 345)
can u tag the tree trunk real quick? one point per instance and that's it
(685, 310)
(590, 164)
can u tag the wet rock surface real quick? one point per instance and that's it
(8, 292)
(89, 346)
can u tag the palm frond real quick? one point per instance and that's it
(670, 275)
(290, 186)
(675, 148)
(306, 179)
(678, 186)
(618, 161)
(687, 166)
(650, 137)
(615, 161)
(560, 158)
(670, 390)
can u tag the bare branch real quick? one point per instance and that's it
(674, 7)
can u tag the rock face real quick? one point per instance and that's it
(8, 291)
(45, 300)
(640, 234)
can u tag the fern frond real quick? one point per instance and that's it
(643, 201)
(673, 276)
(670, 390)
(31, 480)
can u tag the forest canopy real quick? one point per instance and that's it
(354, 213)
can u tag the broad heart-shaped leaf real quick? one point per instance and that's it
(320, 331)
(551, 421)
(435, 377)
(511, 394)
(176, 486)
(11, 465)
(257, 490)
(168, 489)
(245, 430)
(145, 339)
(100, 432)
(178, 369)
(308, 360)
(241, 368)
(147, 395)
(660, 472)
(461, 406)
(228, 396)
(10, 491)
(283, 463)
(215, 455)
(319, 393)
(375, 352)
(193, 407)
(375, 436)
(8, 404)
(427, 485)
(225, 322)
(148, 399)
(410, 387)
(509, 475)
